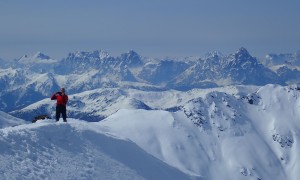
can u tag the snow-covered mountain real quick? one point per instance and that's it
(37, 63)
(37, 58)
(278, 59)
(218, 70)
(143, 118)
(32, 78)
(287, 66)
(76, 150)
(20, 89)
(163, 71)
(233, 132)
(100, 103)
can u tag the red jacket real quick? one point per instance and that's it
(61, 99)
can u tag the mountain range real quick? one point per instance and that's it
(132, 117)
(32, 78)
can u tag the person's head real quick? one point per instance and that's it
(62, 90)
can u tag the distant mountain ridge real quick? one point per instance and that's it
(286, 66)
(32, 78)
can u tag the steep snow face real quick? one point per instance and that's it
(220, 135)
(158, 133)
(277, 118)
(75, 150)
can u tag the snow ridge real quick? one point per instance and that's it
(75, 150)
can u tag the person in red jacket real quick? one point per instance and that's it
(61, 103)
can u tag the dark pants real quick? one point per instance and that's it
(61, 109)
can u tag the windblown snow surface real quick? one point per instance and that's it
(216, 136)
(7, 120)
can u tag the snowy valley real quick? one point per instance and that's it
(131, 117)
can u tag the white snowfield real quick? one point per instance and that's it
(7, 120)
(219, 135)
(75, 150)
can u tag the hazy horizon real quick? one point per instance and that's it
(153, 29)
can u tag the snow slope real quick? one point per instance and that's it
(7, 120)
(220, 137)
(75, 150)
(224, 133)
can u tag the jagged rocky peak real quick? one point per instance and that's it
(242, 56)
(242, 53)
(98, 54)
(131, 58)
(101, 54)
(130, 55)
(212, 58)
(104, 54)
(213, 54)
(41, 56)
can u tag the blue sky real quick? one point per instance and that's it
(155, 28)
